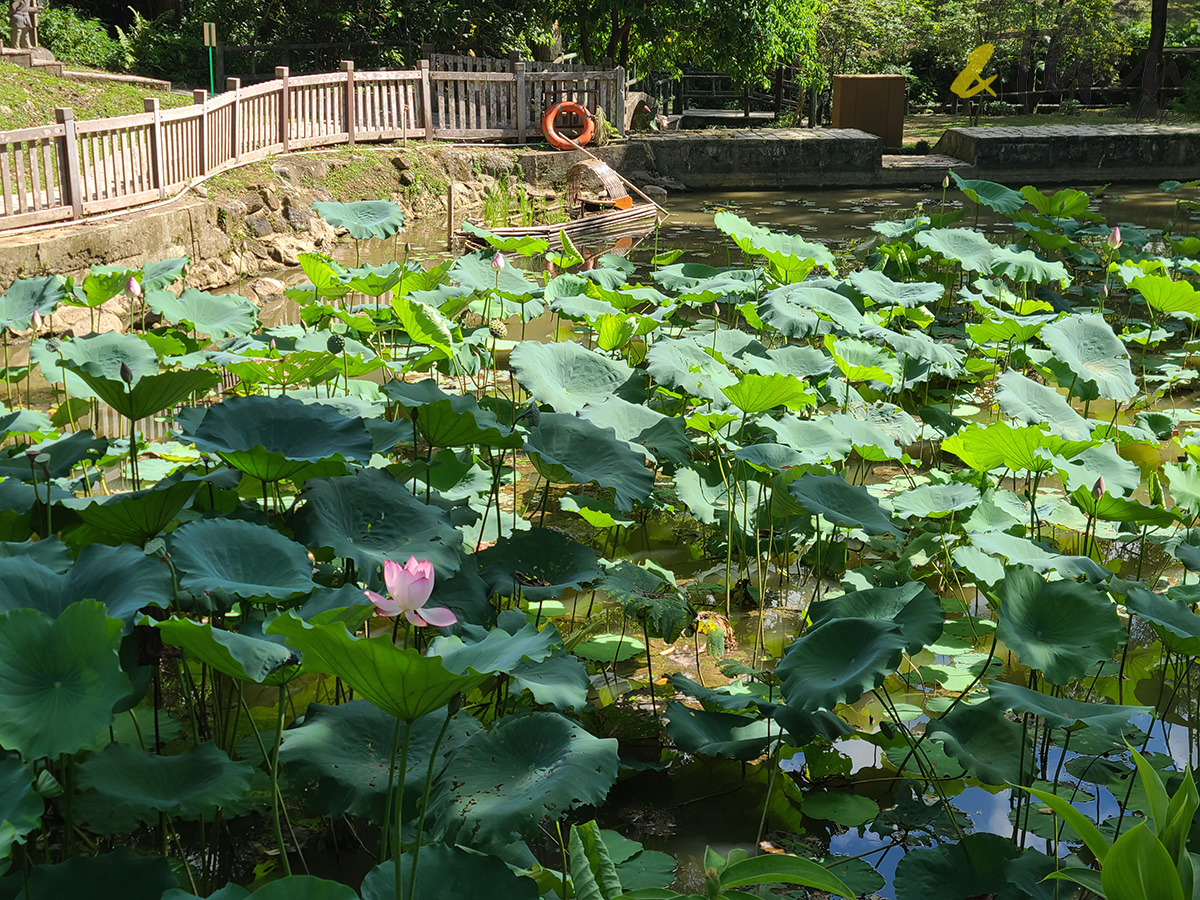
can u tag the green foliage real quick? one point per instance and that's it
(75, 37)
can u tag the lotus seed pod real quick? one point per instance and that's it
(335, 344)
(498, 329)
(534, 414)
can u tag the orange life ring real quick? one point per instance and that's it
(569, 106)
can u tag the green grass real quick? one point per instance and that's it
(28, 99)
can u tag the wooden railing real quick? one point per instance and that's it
(77, 168)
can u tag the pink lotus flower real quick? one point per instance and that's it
(409, 587)
(133, 288)
(1114, 239)
(498, 261)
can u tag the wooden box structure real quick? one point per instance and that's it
(871, 103)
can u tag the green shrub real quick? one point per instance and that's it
(76, 38)
(162, 48)
(1188, 101)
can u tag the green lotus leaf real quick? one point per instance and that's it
(935, 501)
(304, 887)
(51, 553)
(597, 512)
(1027, 266)
(272, 438)
(999, 326)
(1059, 627)
(697, 283)
(231, 560)
(446, 420)
(861, 361)
(967, 247)
(59, 678)
(568, 376)
(539, 564)
(911, 606)
(450, 873)
(1022, 551)
(1000, 445)
(424, 324)
(119, 874)
(1065, 204)
(759, 393)
(98, 354)
(638, 868)
(239, 656)
(1087, 346)
(370, 517)
(504, 780)
(719, 733)
(791, 359)
(1175, 298)
(986, 742)
(1177, 626)
(1033, 404)
(685, 365)
(375, 281)
(842, 504)
(523, 245)
(995, 196)
(474, 272)
(885, 292)
(364, 219)
(216, 315)
(122, 579)
(1108, 508)
(791, 257)
(131, 788)
(27, 296)
(769, 457)
(978, 865)
(62, 456)
(339, 756)
(160, 273)
(841, 808)
(610, 648)
(135, 516)
(565, 449)
(799, 310)
(648, 595)
(402, 683)
(662, 437)
(496, 650)
(288, 370)
(24, 421)
(913, 346)
(1060, 712)
(21, 807)
(559, 681)
(229, 892)
(148, 394)
(840, 661)
(816, 440)
(1084, 468)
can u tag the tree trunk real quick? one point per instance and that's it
(1147, 103)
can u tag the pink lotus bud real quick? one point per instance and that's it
(1114, 239)
(272, 343)
(945, 182)
(1098, 488)
(549, 267)
(133, 288)
(37, 320)
(498, 261)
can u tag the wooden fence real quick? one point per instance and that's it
(77, 168)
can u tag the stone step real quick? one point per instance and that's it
(37, 59)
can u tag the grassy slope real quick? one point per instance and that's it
(28, 99)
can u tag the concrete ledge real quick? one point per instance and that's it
(155, 84)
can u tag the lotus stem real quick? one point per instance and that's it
(433, 753)
(398, 839)
(275, 798)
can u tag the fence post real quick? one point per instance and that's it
(348, 115)
(69, 187)
(426, 99)
(235, 121)
(200, 98)
(220, 65)
(618, 115)
(156, 147)
(281, 74)
(522, 102)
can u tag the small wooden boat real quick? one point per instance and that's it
(598, 219)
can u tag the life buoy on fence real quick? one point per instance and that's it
(567, 106)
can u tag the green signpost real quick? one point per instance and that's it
(210, 41)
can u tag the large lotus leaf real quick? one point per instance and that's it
(967, 247)
(568, 376)
(910, 346)
(840, 807)
(231, 560)
(697, 283)
(133, 788)
(99, 354)
(450, 420)
(123, 579)
(1027, 266)
(816, 440)
(1176, 624)
(842, 503)
(539, 564)
(135, 516)
(370, 517)
(935, 501)
(49, 552)
(664, 437)
(495, 650)
(565, 449)
(62, 455)
(980, 865)
(1087, 345)
(912, 606)
(1033, 404)
(1029, 553)
(402, 683)
(758, 393)
(524, 246)
(292, 887)
(1001, 445)
(791, 359)
(505, 780)
(791, 257)
(216, 315)
(236, 655)
(1176, 298)
(719, 733)
(1067, 203)
(450, 873)
(117, 875)
(799, 310)
(163, 272)
(986, 742)
(229, 892)
(560, 681)
(1060, 712)
(1108, 508)
(363, 218)
(21, 807)
(272, 438)
(24, 421)
(1084, 468)
(995, 196)
(686, 366)
(339, 756)
(474, 271)
(59, 678)
(424, 324)
(149, 394)
(648, 595)
(863, 361)
(1059, 627)
(840, 661)
(26, 296)
(885, 292)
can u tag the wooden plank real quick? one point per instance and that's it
(49, 170)
(22, 135)
(19, 164)
(35, 182)
(348, 100)
(21, 220)
(122, 202)
(235, 122)
(281, 75)
(70, 191)
(156, 148)
(427, 106)
(6, 182)
(475, 77)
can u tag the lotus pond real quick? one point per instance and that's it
(874, 569)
